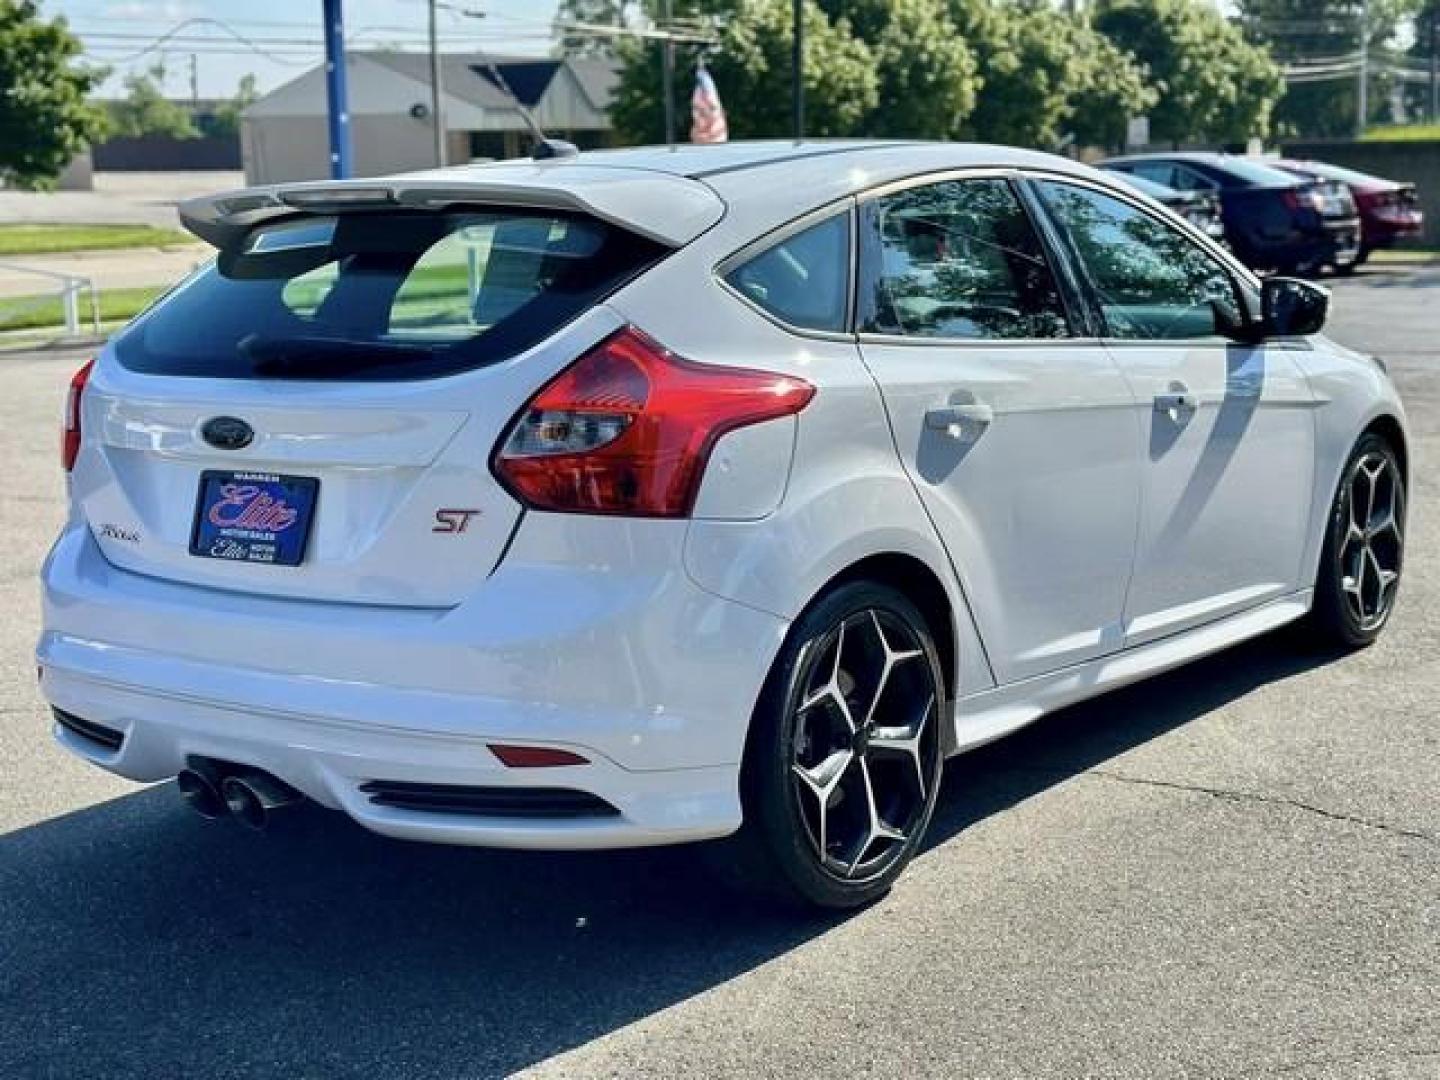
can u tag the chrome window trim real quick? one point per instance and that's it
(869, 338)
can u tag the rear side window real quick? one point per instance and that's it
(384, 296)
(956, 259)
(804, 279)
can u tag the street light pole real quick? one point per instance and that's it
(798, 68)
(335, 92)
(437, 112)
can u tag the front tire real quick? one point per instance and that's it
(1363, 556)
(843, 762)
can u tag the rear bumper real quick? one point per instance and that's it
(629, 664)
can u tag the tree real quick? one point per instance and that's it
(1310, 31)
(145, 110)
(617, 13)
(1113, 89)
(751, 66)
(1213, 84)
(927, 74)
(45, 118)
(225, 124)
(1042, 71)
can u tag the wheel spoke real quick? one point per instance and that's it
(877, 828)
(906, 740)
(822, 781)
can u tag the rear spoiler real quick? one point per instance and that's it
(670, 209)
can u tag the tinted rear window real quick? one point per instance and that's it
(384, 296)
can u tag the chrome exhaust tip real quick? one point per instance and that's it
(200, 788)
(252, 796)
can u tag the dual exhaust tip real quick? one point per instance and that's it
(250, 796)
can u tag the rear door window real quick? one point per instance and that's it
(385, 295)
(956, 259)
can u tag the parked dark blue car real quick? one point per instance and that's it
(1273, 220)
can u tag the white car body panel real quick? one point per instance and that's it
(1070, 559)
(1227, 484)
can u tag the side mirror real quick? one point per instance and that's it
(1291, 307)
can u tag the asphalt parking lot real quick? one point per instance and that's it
(1233, 870)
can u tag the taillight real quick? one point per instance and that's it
(70, 431)
(628, 428)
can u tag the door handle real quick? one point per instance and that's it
(1177, 403)
(965, 422)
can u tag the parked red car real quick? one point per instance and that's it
(1389, 211)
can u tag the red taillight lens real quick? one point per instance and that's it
(628, 428)
(70, 431)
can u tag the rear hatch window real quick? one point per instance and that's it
(384, 296)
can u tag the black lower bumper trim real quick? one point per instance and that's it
(499, 802)
(88, 729)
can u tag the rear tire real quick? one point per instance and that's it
(843, 763)
(1363, 556)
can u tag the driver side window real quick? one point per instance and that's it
(1151, 281)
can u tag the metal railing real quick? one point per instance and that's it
(72, 290)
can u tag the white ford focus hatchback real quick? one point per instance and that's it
(651, 496)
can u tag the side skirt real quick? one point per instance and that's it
(991, 714)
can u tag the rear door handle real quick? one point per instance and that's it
(1177, 403)
(965, 422)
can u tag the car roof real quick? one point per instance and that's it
(670, 194)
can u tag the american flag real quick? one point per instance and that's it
(707, 115)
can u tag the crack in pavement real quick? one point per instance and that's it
(1235, 795)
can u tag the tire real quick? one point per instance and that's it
(1346, 269)
(806, 772)
(1353, 599)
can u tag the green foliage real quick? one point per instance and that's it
(616, 13)
(752, 68)
(1404, 133)
(145, 110)
(1213, 84)
(45, 119)
(1047, 76)
(997, 70)
(1301, 30)
(927, 74)
(28, 239)
(225, 123)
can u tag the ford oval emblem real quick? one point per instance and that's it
(227, 433)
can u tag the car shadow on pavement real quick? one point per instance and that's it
(136, 939)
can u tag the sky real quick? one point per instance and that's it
(282, 37)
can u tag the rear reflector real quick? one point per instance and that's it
(70, 430)
(534, 757)
(628, 428)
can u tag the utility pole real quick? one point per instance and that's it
(667, 73)
(1435, 67)
(1362, 90)
(335, 93)
(797, 63)
(437, 112)
(194, 81)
